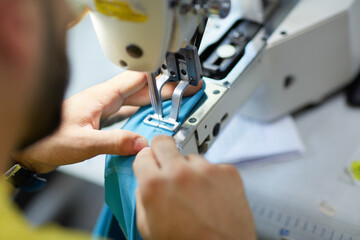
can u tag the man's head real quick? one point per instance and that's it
(33, 69)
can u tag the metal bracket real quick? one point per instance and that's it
(167, 124)
(183, 66)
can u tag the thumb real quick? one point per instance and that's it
(119, 142)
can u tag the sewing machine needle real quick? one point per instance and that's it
(154, 95)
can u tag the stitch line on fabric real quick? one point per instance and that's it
(129, 172)
(108, 172)
(124, 170)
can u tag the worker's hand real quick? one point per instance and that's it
(187, 197)
(79, 137)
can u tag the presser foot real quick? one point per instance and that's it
(183, 67)
(167, 124)
(157, 118)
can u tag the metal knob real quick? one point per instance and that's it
(220, 8)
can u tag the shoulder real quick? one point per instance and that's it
(13, 224)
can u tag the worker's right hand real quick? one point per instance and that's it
(187, 197)
(79, 136)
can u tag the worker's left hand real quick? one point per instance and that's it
(187, 197)
(79, 137)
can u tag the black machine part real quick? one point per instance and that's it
(237, 38)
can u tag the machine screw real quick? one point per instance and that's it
(179, 148)
(226, 83)
(123, 63)
(192, 120)
(216, 130)
(289, 81)
(216, 92)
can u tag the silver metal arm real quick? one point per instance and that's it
(155, 96)
(176, 99)
(155, 87)
(183, 67)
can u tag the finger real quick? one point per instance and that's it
(126, 83)
(196, 159)
(141, 218)
(145, 164)
(112, 93)
(165, 151)
(170, 87)
(198, 163)
(230, 170)
(142, 97)
(123, 113)
(119, 142)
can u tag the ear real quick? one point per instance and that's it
(16, 43)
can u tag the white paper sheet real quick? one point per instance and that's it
(245, 140)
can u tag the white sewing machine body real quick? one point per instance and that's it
(292, 53)
(313, 52)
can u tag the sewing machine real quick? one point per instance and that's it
(270, 56)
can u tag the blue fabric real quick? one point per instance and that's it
(120, 181)
(107, 226)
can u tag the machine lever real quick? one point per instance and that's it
(176, 99)
(183, 67)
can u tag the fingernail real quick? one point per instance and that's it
(140, 143)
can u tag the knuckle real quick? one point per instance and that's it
(143, 153)
(181, 175)
(209, 169)
(124, 142)
(231, 171)
(123, 136)
(120, 141)
(193, 157)
(160, 139)
(154, 183)
(152, 188)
